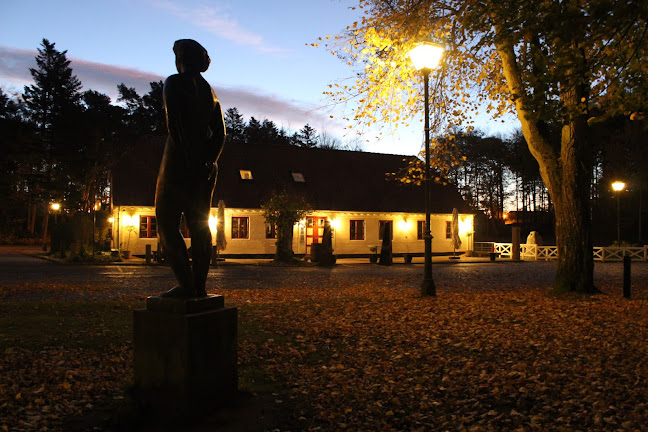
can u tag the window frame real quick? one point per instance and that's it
(420, 230)
(270, 230)
(238, 227)
(358, 235)
(448, 233)
(150, 221)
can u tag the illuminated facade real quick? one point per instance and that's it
(351, 190)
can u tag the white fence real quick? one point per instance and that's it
(532, 252)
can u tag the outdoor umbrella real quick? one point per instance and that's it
(221, 243)
(456, 241)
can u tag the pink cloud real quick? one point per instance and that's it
(14, 75)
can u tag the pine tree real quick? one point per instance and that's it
(155, 114)
(55, 90)
(235, 126)
(52, 104)
(307, 137)
(253, 133)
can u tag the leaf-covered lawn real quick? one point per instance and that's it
(361, 355)
(370, 358)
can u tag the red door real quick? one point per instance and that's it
(314, 231)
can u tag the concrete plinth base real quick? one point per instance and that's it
(185, 354)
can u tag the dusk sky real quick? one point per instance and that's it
(262, 61)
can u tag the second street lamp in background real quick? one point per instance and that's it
(56, 207)
(618, 187)
(426, 57)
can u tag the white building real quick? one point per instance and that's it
(353, 190)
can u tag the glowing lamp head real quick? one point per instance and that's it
(618, 186)
(426, 55)
(55, 206)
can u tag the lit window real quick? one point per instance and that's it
(271, 230)
(357, 230)
(240, 227)
(298, 177)
(245, 174)
(148, 227)
(420, 230)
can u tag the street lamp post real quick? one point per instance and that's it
(55, 207)
(426, 57)
(618, 187)
(95, 207)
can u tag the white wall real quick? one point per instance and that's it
(404, 229)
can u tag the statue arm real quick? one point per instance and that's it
(174, 118)
(218, 131)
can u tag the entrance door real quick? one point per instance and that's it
(314, 231)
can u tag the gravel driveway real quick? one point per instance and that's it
(28, 275)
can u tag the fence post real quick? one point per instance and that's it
(148, 254)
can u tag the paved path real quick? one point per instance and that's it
(19, 266)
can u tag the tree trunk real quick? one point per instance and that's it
(284, 252)
(575, 271)
(32, 218)
(566, 175)
(45, 224)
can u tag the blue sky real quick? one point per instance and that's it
(262, 61)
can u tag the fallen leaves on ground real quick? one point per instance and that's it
(366, 355)
(41, 388)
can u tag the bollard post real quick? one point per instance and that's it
(626, 277)
(148, 254)
(515, 246)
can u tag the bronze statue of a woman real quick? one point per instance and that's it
(188, 171)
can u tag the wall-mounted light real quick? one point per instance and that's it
(213, 221)
(130, 220)
(465, 226)
(404, 225)
(335, 223)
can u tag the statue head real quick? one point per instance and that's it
(190, 56)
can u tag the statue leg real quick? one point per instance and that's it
(201, 242)
(168, 212)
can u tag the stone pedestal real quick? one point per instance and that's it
(185, 354)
